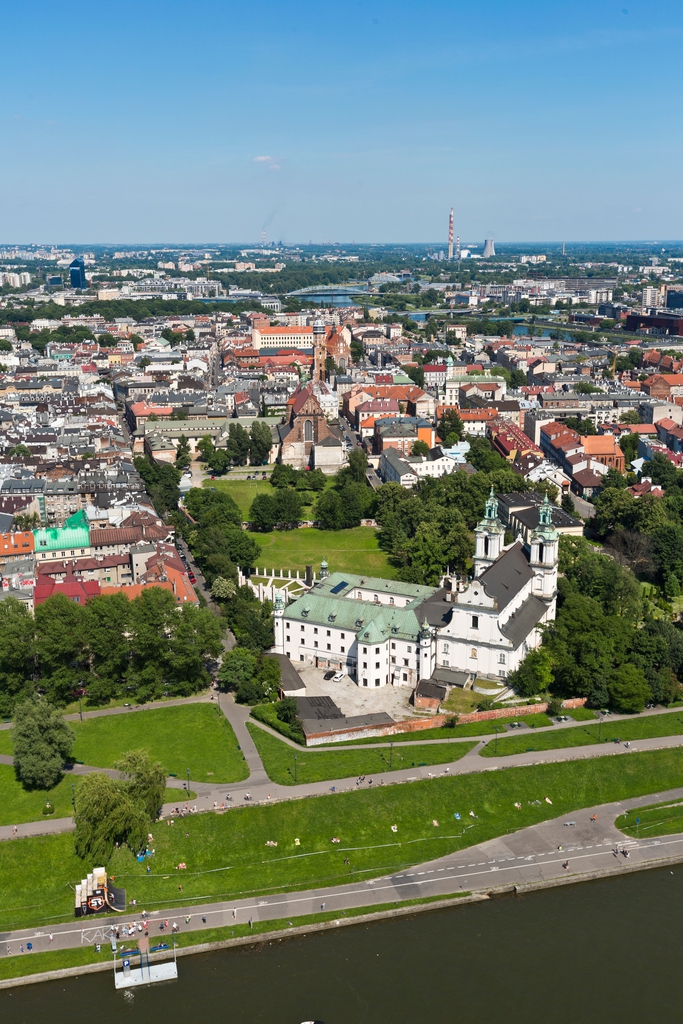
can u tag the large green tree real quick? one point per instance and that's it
(17, 654)
(42, 743)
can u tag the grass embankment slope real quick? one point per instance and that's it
(663, 819)
(670, 724)
(355, 550)
(226, 855)
(317, 766)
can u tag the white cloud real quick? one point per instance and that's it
(272, 164)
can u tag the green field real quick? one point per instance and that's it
(354, 550)
(226, 855)
(18, 804)
(6, 741)
(242, 492)
(194, 736)
(655, 820)
(579, 736)
(317, 766)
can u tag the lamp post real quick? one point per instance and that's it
(391, 754)
(600, 728)
(73, 795)
(295, 775)
(188, 782)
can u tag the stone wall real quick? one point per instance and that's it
(433, 722)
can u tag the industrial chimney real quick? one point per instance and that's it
(450, 235)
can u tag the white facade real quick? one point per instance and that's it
(383, 632)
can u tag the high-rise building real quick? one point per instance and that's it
(489, 248)
(77, 273)
(652, 297)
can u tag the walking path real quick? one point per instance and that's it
(544, 854)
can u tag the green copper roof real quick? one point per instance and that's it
(74, 534)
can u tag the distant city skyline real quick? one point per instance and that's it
(357, 123)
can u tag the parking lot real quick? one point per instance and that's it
(355, 700)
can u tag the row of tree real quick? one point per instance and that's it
(599, 647)
(109, 647)
(242, 446)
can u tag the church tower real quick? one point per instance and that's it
(488, 537)
(279, 622)
(544, 554)
(319, 350)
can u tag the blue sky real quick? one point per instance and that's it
(355, 121)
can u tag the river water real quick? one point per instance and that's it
(596, 952)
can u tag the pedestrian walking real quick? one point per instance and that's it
(14, 830)
(52, 938)
(323, 905)
(234, 914)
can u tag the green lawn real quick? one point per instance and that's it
(655, 820)
(6, 746)
(580, 736)
(226, 855)
(194, 736)
(317, 766)
(354, 550)
(242, 492)
(581, 714)
(18, 805)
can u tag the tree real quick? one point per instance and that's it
(205, 447)
(263, 514)
(238, 444)
(42, 743)
(629, 446)
(144, 362)
(239, 666)
(518, 379)
(358, 465)
(161, 483)
(260, 443)
(20, 451)
(144, 780)
(222, 589)
(288, 711)
(61, 650)
(450, 428)
(534, 675)
(568, 504)
(329, 511)
(107, 815)
(17, 653)
(628, 690)
(630, 416)
(288, 507)
(183, 452)
(420, 448)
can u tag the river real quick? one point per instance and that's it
(607, 950)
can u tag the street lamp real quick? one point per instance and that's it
(188, 782)
(295, 760)
(391, 754)
(73, 795)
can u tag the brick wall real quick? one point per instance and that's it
(433, 722)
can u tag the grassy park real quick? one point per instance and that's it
(665, 724)
(194, 736)
(226, 855)
(242, 492)
(318, 766)
(353, 550)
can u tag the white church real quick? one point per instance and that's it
(383, 632)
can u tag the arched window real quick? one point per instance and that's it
(540, 552)
(486, 546)
(308, 430)
(473, 652)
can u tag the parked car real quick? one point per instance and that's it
(329, 675)
(338, 676)
(191, 577)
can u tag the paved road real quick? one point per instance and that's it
(530, 856)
